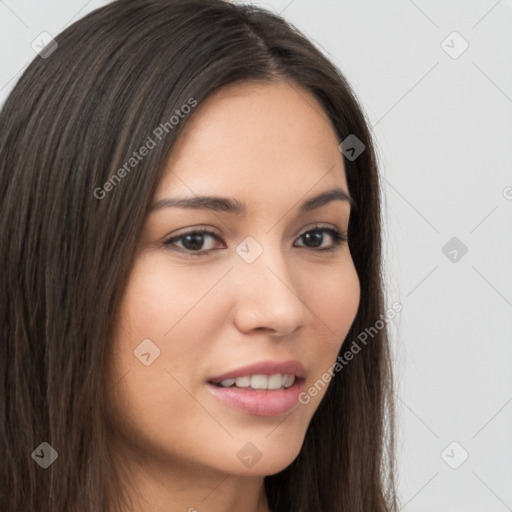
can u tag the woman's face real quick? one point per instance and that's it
(257, 289)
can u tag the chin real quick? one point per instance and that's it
(265, 457)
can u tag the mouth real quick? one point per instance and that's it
(258, 382)
(263, 389)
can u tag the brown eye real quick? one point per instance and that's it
(314, 238)
(193, 241)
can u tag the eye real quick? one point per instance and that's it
(193, 241)
(316, 236)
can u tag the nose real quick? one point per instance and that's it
(267, 298)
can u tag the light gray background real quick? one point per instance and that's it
(444, 135)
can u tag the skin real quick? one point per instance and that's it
(270, 146)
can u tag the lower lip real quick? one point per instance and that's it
(260, 402)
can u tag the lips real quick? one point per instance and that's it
(258, 402)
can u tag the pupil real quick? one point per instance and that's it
(315, 236)
(197, 241)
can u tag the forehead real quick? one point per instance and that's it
(259, 136)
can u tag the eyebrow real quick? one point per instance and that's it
(233, 206)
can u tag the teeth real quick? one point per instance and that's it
(276, 381)
(259, 382)
(243, 382)
(289, 380)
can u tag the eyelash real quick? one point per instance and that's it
(338, 237)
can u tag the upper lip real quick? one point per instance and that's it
(264, 368)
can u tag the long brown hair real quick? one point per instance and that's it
(74, 118)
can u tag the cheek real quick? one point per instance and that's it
(161, 298)
(333, 296)
(161, 315)
(167, 314)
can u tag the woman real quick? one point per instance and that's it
(190, 258)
